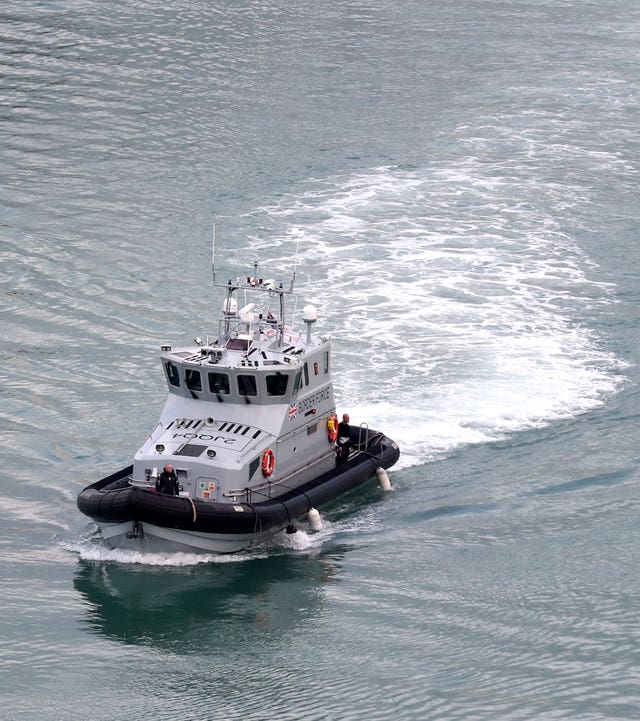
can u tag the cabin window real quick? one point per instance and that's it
(315, 369)
(193, 380)
(172, 373)
(247, 385)
(326, 362)
(306, 374)
(277, 384)
(297, 384)
(219, 383)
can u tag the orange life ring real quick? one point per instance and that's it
(332, 428)
(268, 462)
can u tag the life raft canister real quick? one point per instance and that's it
(332, 428)
(268, 462)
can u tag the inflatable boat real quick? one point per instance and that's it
(248, 441)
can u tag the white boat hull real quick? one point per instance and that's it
(146, 537)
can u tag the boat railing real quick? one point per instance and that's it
(363, 436)
(141, 484)
(367, 437)
(264, 491)
(155, 433)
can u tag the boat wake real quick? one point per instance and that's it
(463, 307)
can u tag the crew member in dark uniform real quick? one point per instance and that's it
(344, 439)
(168, 481)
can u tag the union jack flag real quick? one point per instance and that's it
(293, 409)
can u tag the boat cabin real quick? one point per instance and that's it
(246, 411)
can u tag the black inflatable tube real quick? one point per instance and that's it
(113, 500)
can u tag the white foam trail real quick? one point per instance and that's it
(459, 305)
(298, 541)
(88, 551)
(303, 539)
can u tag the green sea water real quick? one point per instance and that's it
(457, 183)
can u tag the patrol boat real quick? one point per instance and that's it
(250, 428)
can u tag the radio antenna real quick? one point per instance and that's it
(295, 265)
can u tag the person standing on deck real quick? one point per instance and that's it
(344, 439)
(168, 481)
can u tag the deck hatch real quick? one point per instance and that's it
(190, 449)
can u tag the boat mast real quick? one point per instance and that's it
(254, 283)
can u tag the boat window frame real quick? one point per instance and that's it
(189, 375)
(172, 372)
(221, 392)
(281, 377)
(254, 382)
(297, 383)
